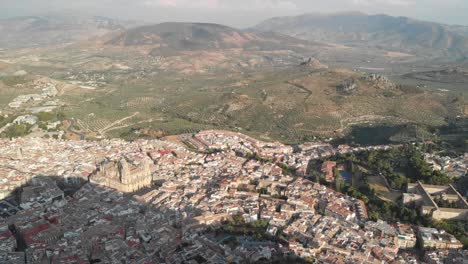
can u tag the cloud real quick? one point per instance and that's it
(224, 4)
(271, 4)
(240, 13)
(211, 4)
(385, 2)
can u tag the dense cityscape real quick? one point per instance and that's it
(212, 197)
(233, 132)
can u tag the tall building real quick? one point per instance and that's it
(124, 175)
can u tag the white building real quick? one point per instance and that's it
(26, 119)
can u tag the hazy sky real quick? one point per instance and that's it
(238, 13)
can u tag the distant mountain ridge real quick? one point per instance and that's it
(172, 37)
(382, 31)
(55, 29)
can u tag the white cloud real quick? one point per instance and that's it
(211, 4)
(271, 4)
(239, 13)
(385, 2)
(225, 4)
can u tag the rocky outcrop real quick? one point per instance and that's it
(347, 86)
(379, 81)
(314, 64)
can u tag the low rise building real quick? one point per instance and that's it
(426, 197)
(406, 236)
(26, 119)
(432, 238)
(327, 169)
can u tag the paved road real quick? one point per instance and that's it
(72, 122)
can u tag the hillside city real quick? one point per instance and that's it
(211, 197)
(233, 132)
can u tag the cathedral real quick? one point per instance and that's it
(124, 175)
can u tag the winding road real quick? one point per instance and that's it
(304, 89)
(72, 122)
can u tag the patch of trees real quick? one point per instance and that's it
(243, 188)
(5, 120)
(408, 159)
(13, 80)
(446, 204)
(287, 170)
(48, 116)
(388, 211)
(254, 156)
(238, 226)
(263, 191)
(422, 171)
(213, 150)
(16, 130)
(130, 134)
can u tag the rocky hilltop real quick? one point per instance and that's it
(314, 64)
(348, 86)
(379, 81)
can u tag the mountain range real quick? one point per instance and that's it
(401, 34)
(183, 77)
(353, 29)
(172, 37)
(55, 29)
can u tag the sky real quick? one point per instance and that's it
(237, 13)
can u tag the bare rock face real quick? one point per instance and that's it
(314, 64)
(379, 81)
(348, 86)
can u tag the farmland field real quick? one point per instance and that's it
(118, 92)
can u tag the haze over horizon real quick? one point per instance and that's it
(239, 13)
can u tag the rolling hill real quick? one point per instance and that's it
(175, 78)
(385, 32)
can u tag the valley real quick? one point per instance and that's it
(129, 84)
